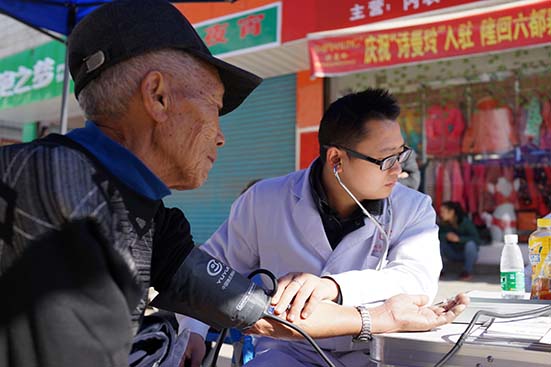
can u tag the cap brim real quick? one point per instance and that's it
(238, 83)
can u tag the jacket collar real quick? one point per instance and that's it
(119, 161)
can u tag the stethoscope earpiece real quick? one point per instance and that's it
(336, 168)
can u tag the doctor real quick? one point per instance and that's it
(308, 229)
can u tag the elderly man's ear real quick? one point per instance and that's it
(154, 89)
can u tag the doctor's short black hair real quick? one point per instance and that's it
(344, 122)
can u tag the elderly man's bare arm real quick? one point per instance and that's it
(399, 313)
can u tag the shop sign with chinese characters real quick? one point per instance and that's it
(510, 28)
(351, 13)
(33, 75)
(242, 32)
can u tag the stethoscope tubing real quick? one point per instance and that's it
(371, 218)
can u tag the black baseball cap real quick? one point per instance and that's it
(123, 29)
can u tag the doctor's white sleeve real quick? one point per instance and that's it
(414, 261)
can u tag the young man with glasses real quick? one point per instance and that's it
(308, 229)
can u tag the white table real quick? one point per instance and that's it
(483, 349)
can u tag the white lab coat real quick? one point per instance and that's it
(276, 225)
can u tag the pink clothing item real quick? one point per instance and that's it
(444, 128)
(439, 186)
(446, 182)
(457, 183)
(478, 186)
(491, 129)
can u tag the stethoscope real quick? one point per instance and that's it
(377, 224)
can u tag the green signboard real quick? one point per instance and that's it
(243, 32)
(33, 75)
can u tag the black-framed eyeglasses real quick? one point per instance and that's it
(385, 163)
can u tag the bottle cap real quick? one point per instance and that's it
(511, 238)
(544, 222)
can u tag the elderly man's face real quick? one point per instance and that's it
(194, 135)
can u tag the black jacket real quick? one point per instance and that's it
(66, 302)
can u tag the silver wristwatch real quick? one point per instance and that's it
(365, 335)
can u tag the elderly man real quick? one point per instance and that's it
(83, 230)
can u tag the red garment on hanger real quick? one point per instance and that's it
(457, 193)
(444, 128)
(469, 187)
(439, 185)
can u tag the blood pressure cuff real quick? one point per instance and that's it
(212, 292)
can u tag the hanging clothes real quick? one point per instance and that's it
(541, 173)
(469, 187)
(430, 179)
(410, 121)
(439, 185)
(545, 131)
(522, 118)
(457, 190)
(533, 120)
(491, 129)
(444, 128)
(527, 193)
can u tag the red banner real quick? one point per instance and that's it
(510, 28)
(333, 14)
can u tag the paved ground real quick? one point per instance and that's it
(486, 278)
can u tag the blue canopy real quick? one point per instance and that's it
(59, 16)
(55, 15)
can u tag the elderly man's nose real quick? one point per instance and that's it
(220, 139)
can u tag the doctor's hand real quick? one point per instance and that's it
(195, 351)
(303, 292)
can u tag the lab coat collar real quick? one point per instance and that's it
(311, 229)
(306, 213)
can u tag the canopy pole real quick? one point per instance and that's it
(71, 21)
(65, 94)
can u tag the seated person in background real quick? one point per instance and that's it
(459, 239)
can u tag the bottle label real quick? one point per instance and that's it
(538, 249)
(512, 281)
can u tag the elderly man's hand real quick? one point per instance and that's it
(195, 351)
(398, 313)
(407, 313)
(303, 291)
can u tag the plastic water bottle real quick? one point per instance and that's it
(512, 269)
